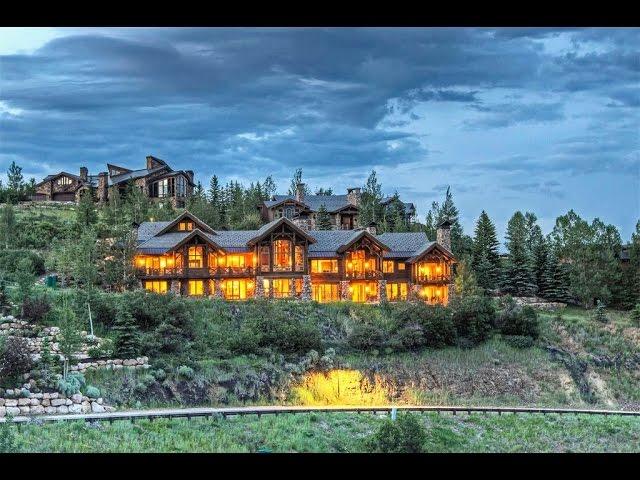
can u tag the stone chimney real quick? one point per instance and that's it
(84, 174)
(372, 228)
(103, 187)
(443, 234)
(300, 192)
(354, 196)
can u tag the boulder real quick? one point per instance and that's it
(25, 410)
(50, 410)
(2, 402)
(63, 409)
(97, 408)
(54, 395)
(13, 411)
(57, 402)
(45, 402)
(3, 411)
(76, 398)
(37, 410)
(75, 408)
(129, 363)
(100, 401)
(11, 402)
(34, 401)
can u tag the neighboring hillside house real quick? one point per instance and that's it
(303, 209)
(187, 257)
(157, 180)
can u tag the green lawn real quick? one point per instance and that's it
(340, 432)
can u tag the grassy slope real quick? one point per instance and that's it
(338, 433)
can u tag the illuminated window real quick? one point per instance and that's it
(299, 258)
(195, 257)
(236, 261)
(64, 181)
(156, 286)
(281, 287)
(357, 262)
(387, 266)
(401, 265)
(185, 226)
(282, 255)
(324, 266)
(212, 260)
(396, 291)
(298, 283)
(237, 289)
(265, 259)
(325, 292)
(363, 291)
(196, 287)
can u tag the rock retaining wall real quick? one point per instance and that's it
(537, 302)
(13, 403)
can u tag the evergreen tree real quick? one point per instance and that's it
(86, 214)
(322, 191)
(127, 338)
(8, 225)
(269, 187)
(486, 260)
(370, 207)
(395, 219)
(430, 224)
(518, 278)
(460, 244)
(215, 199)
(629, 291)
(323, 220)
(555, 279)
(15, 183)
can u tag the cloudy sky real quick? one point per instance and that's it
(531, 119)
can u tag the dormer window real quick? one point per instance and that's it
(185, 226)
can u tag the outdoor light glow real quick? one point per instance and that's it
(341, 387)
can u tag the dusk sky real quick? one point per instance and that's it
(513, 119)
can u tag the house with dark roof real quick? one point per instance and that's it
(187, 257)
(157, 180)
(303, 209)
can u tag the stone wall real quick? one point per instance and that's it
(17, 402)
(537, 302)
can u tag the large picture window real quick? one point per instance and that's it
(324, 266)
(396, 291)
(299, 258)
(282, 255)
(325, 292)
(265, 259)
(156, 286)
(195, 257)
(387, 266)
(281, 287)
(196, 288)
(237, 289)
(181, 187)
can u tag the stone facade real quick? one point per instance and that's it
(21, 402)
(306, 287)
(344, 290)
(382, 290)
(259, 290)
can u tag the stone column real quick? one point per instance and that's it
(292, 287)
(258, 292)
(382, 290)
(344, 290)
(451, 291)
(413, 292)
(306, 288)
(206, 288)
(217, 288)
(175, 287)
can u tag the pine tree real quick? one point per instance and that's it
(555, 279)
(430, 225)
(8, 225)
(394, 217)
(15, 183)
(486, 260)
(127, 337)
(518, 276)
(323, 220)
(460, 244)
(269, 187)
(295, 180)
(86, 214)
(370, 206)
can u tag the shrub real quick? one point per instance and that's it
(10, 259)
(635, 315)
(104, 349)
(473, 317)
(15, 360)
(185, 372)
(127, 338)
(519, 341)
(405, 435)
(366, 337)
(435, 321)
(72, 384)
(92, 392)
(600, 313)
(36, 309)
(7, 438)
(411, 337)
(516, 320)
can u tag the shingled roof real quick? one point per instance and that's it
(332, 203)
(405, 244)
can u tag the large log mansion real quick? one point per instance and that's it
(282, 260)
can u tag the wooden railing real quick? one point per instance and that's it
(363, 275)
(433, 278)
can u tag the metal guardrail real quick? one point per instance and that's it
(190, 413)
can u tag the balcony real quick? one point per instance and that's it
(363, 275)
(219, 272)
(159, 272)
(442, 278)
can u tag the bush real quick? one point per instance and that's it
(366, 337)
(435, 322)
(518, 341)
(185, 372)
(405, 435)
(473, 317)
(103, 350)
(36, 309)
(15, 360)
(92, 392)
(72, 385)
(10, 259)
(600, 313)
(513, 319)
(7, 438)
(411, 337)
(635, 315)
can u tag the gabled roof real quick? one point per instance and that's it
(116, 167)
(428, 249)
(269, 227)
(54, 176)
(275, 203)
(405, 244)
(332, 203)
(133, 174)
(190, 216)
(164, 243)
(359, 235)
